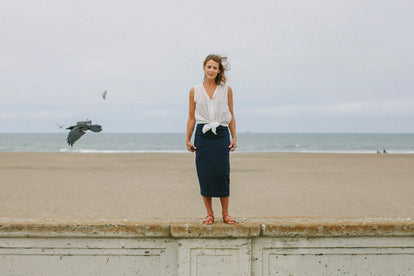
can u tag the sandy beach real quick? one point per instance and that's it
(164, 185)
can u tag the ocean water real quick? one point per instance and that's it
(175, 142)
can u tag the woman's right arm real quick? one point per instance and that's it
(191, 121)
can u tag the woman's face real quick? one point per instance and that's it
(211, 69)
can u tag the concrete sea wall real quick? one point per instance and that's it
(254, 246)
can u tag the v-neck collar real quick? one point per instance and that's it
(205, 91)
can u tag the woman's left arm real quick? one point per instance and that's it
(232, 124)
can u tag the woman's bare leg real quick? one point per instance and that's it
(225, 210)
(225, 205)
(208, 202)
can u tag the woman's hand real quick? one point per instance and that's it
(190, 147)
(233, 144)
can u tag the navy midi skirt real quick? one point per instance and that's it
(212, 161)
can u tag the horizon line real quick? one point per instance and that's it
(239, 132)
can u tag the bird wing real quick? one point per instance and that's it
(95, 128)
(74, 135)
(104, 94)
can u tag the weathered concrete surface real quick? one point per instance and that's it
(333, 256)
(336, 227)
(88, 256)
(253, 246)
(83, 228)
(193, 228)
(217, 230)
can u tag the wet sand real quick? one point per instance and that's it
(164, 185)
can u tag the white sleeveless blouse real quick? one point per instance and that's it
(212, 112)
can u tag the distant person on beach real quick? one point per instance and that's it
(211, 108)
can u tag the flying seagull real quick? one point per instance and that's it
(79, 129)
(60, 126)
(104, 94)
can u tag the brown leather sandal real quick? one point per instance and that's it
(227, 219)
(209, 219)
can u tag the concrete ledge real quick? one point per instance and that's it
(253, 246)
(217, 230)
(336, 227)
(43, 227)
(193, 228)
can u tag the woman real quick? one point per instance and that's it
(211, 108)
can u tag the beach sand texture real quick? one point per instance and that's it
(164, 185)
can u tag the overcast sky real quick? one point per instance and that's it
(296, 66)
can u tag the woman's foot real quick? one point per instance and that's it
(228, 219)
(209, 219)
